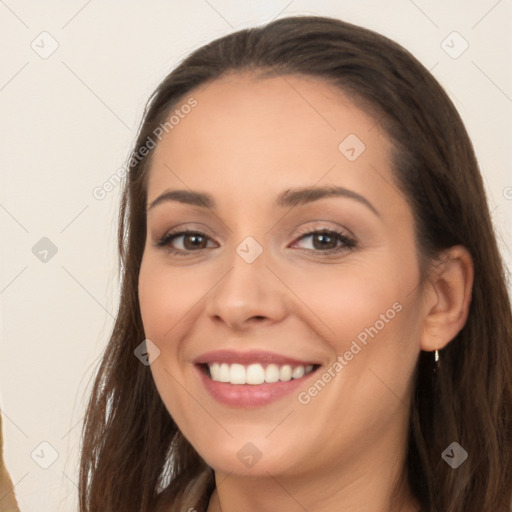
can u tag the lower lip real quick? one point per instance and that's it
(249, 395)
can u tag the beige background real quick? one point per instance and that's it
(67, 122)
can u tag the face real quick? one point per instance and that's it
(274, 283)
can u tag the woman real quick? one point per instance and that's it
(312, 288)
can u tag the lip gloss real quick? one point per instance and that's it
(249, 395)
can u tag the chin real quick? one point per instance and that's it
(254, 459)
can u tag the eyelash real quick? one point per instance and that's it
(348, 243)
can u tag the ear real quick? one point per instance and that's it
(447, 298)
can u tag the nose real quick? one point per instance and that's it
(248, 294)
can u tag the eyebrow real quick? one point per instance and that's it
(288, 198)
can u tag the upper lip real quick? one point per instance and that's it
(248, 357)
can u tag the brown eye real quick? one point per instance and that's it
(196, 241)
(191, 241)
(324, 241)
(328, 241)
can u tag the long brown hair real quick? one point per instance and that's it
(133, 456)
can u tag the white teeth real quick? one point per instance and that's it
(214, 371)
(255, 373)
(285, 373)
(237, 374)
(298, 372)
(272, 373)
(224, 372)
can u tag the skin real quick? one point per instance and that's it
(247, 141)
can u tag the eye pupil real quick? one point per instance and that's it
(322, 238)
(194, 237)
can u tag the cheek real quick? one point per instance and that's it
(347, 300)
(165, 298)
(366, 313)
(370, 320)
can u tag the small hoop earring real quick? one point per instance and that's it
(436, 361)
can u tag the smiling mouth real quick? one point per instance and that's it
(256, 373)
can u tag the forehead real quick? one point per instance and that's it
(249, 135)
